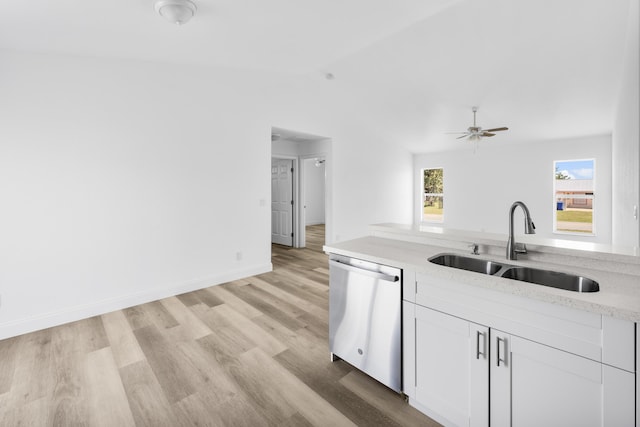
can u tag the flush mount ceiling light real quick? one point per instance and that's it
(176, 11)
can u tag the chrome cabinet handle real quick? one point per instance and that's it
(478, 352)
(498, 358)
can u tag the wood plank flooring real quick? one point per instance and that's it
(253, 352)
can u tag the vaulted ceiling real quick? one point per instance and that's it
(281, 35)
(545, 68)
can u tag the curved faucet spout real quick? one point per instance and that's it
(514, 248)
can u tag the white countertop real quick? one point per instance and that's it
(619, 294)
(573, 248)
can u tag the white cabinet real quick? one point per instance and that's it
(452, 372)
(463, 370)
(536, 385)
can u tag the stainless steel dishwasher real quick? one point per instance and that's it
(365, 316)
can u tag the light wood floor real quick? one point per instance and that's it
(315, 238)
(247, 353)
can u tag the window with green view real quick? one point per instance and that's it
(433, 195)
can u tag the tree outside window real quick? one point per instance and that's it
(433, 195)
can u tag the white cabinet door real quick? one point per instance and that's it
(619, 407)
(536, 385)
(500, 373)
(479, 375)
(409, 349)
(452, 377)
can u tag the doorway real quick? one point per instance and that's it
(313, 196)
(311, 184)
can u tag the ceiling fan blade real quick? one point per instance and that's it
(463, 136)
(496, 129)
(485, 133)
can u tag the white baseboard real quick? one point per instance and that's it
(71, 314)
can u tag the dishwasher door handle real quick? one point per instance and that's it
(377, 275)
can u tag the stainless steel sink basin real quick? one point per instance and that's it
(466, 263)
(553, 279)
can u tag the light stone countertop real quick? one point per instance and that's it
(575, 249)
(619, 294)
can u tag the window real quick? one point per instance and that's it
(433, 195)
(574, 186)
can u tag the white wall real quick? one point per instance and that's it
(480, 187)
(126, 181)
(119, 184)
(626, 141)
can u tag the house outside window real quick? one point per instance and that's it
(433, 195)
(574, 196)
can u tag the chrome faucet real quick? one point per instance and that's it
(474, 249)
(514, 248)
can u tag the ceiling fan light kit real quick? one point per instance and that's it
(177, 12)
(475, 132)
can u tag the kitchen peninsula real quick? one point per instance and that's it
(480, 349)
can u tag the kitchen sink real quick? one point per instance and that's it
(553, 279)
(466, 263)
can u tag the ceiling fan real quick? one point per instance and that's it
(475, 132)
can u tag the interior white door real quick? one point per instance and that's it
(282, 201)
